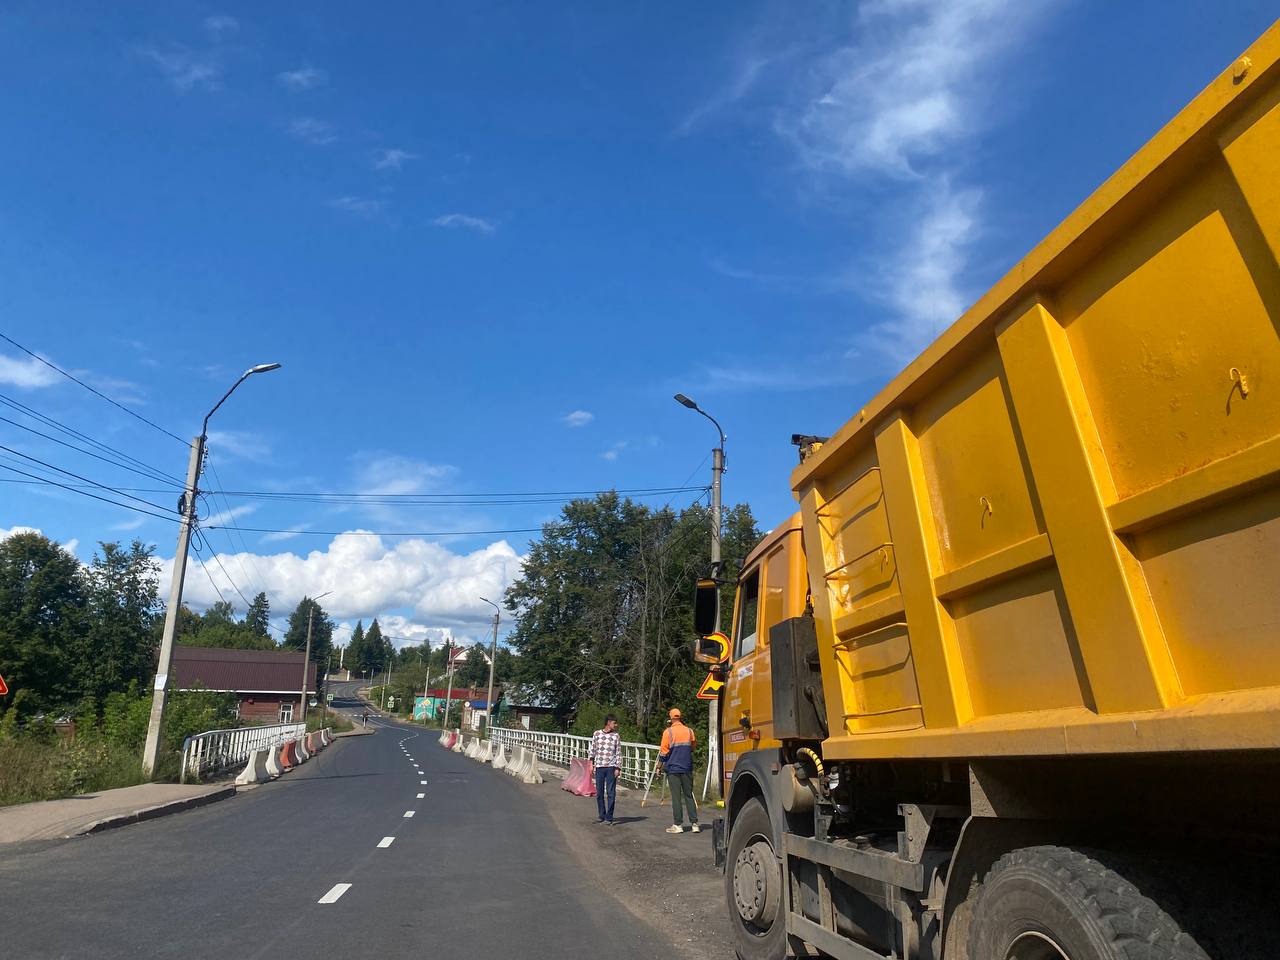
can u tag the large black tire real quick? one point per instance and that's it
(753, 887)
(1054, 903)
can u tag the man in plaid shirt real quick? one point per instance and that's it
(606, 755)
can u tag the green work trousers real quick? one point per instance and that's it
(682, 796)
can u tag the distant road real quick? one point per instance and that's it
(478, 870)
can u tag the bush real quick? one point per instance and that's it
(32, 769)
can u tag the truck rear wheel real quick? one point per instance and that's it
(753, 885)
(1054, 903)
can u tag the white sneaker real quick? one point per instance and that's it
(675, 828)
(696, 828)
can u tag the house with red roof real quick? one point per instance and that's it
(266, 683)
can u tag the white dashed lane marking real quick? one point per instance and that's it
(337, 891)
(421, 795)
(386, 842)
(408, 813)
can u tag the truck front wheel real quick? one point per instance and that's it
(753, 884)
(1054, 903)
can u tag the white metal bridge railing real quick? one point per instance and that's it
(216, 750)
(639, 760)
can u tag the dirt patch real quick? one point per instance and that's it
(667, 880)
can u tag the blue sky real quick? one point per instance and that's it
(488, 241)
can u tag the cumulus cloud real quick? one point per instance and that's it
(14, 531)
(391, 474)
(392, 159)
(613, 452)
(578, 418)
(478, 224)
(29, 374)
(304, 78)
(421, 581)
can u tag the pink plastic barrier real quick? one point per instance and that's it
(453, 738)
(581, 779)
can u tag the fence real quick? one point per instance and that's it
(639, 760)
(216, 750)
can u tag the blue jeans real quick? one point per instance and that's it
(606, 788)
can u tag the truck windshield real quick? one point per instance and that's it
(748, 612)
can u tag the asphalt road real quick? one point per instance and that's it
(479, 869)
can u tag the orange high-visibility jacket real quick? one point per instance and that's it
(676, 751)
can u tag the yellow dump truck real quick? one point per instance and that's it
(1007, 686)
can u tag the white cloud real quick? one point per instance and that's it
(305, 78)
(395, 475)
(392, 159)
(221, 25)
(578, 418)
(613, 452)
(28, 374)
(309, 130)
(13, 531)
(127, 525)
(479, 224)
(418, 580)
(185, 69)
(366, 207)
(893, 108)
(239, 443)
(224, 518)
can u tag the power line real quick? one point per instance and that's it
(58, 425)
(210, 576)
(85, 493)
(451, 499)
(381, 533)
(96, 393)
(101, 486)
(72, 446)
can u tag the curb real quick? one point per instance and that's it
(355, 733)
(153, 813)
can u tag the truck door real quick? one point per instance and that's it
(739, 686)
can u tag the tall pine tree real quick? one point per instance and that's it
(352, 659)
(375, 649)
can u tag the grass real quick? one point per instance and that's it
(33, 769)
(334, 721)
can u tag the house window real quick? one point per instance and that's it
(286, 713)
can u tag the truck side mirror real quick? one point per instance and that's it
(706, 607)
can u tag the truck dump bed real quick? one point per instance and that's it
(1058, 530)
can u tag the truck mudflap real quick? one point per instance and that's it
(720, 842)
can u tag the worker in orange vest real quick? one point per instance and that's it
(676, 757)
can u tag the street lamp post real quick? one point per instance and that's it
(717, 471)
(493, 656)
(187, 508)
(306, 660)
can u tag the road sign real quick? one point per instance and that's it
(314, 701)
(4, 687)
(328, 698)
(710, 689)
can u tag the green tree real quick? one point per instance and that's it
(474, 671)
(258, 617)
(117, 645)
(353, 658)
(375, 650)
(42, 609)
(295, 637)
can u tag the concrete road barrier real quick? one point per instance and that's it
(255, 771)
(328, 736)
(300, 745)
(274, 767)
(313, 746)
(470, 749)
(499, 756)
(289, 754)
(459, 742)
(581, 780)
(486, 752)
(450, 740)
(529, 772)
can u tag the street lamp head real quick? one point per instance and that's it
(262, 368)
(685, 401)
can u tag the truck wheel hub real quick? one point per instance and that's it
(755, 883)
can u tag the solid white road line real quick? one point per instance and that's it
(332, 896)
(421, 795)
(386, 842)
(423, 782)
(408, 813)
